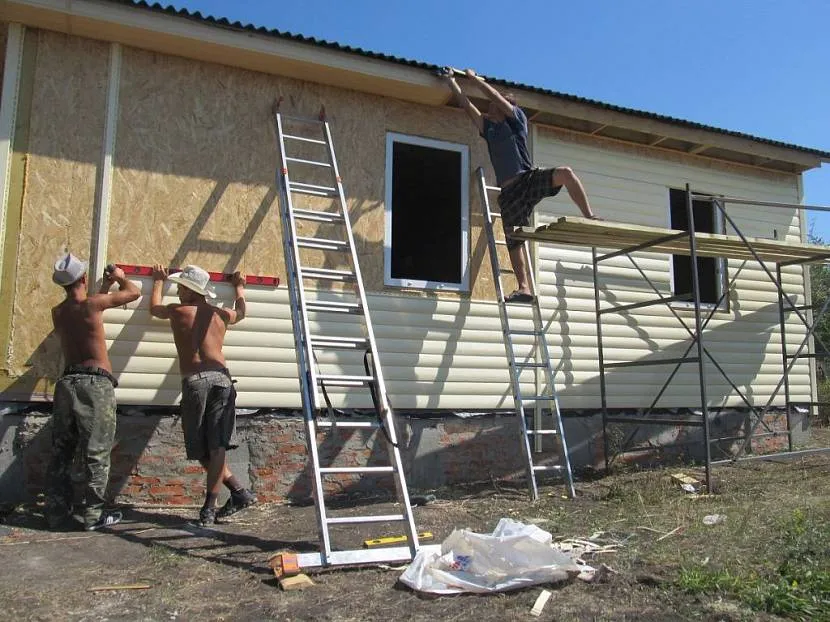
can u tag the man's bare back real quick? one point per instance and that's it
(199, 332)
(80, 326)
(198, 327)
(79, 320)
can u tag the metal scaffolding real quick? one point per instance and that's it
(771, 255)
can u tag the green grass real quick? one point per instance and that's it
(794, 582)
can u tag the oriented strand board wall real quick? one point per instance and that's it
(196, 158)
(627, 185)
(66, 132)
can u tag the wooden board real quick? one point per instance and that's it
(578, 231)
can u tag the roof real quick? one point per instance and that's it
(222, 22)
(190, 34)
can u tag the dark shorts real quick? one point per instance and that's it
(208, 413)
(518, 199)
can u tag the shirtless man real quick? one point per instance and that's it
(208, 396)
(83, 414)
(504, 127)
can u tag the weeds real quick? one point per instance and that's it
(798, 582)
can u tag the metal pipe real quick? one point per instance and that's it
(703, 197)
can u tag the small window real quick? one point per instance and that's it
(427, 213)
(710, 270)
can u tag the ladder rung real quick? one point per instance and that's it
(340, 343)
(311, 162)
(334, 307)
(547, 467)
(336, 380)
(330, 470)
(380, 518)
(328, 275)
(309, 120)
(536, 398)
(322, 244)
(312, 189)
(345, 423)
(305, 140)
(307, 214)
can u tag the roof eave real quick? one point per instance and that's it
(285, 56)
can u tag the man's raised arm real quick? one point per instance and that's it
(127, 290)
(496, 97)
(156, 308)
(465, 102)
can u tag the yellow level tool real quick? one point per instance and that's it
(424, 535)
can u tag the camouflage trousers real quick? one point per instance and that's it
(83, 422)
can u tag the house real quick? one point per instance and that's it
(139, 134)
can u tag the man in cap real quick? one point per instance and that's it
(84, 405)
(208, 396)
(504, 127)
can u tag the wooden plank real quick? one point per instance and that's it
(577, 231)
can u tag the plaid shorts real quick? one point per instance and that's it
(517, 200)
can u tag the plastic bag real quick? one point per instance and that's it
(514, 556)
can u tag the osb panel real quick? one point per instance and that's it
(196, 158)
(65, 139)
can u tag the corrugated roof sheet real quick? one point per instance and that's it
(222, 22)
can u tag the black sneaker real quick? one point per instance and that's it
(237, 501)
(107, 519)
(207, 516)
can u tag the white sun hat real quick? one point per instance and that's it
(196, 279)
(68, 269)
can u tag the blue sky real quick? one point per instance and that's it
(760, 66)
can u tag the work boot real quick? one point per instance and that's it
(107, 519)
(207, 516)
(239, 500)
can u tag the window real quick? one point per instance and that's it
(427, 213)
(711, 270)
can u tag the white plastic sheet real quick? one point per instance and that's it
(514, 556)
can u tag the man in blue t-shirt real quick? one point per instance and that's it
(504, 127)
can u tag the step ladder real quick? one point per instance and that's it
(310, 135)
(523, 362)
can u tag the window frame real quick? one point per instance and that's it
(464, 284)
(721, 265)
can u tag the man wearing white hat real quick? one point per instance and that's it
(208, 396)
(83, 414)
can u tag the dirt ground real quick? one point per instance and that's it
(222, 573)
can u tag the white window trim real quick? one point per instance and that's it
(720, 265)
(464, 150)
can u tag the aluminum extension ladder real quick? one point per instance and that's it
(313, 135)
(538, 358)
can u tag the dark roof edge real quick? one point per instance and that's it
(222, 22)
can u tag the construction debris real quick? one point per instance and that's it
(113, 588)
(540, 603)
(286, 569)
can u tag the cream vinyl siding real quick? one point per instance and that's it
(745, 340)
(435, 353)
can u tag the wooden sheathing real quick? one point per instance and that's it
(66, 125)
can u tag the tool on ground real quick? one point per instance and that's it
(423, 535)
(525, 359)
(328, 310)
